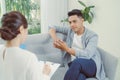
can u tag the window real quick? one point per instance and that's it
(30, 9)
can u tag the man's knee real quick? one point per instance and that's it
(78, 61)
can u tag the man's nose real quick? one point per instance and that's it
(72, 25)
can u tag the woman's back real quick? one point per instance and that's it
(18, 64)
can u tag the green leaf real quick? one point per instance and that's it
(91, 6)
(87, 10)
(85, 16)
(64, 20)
(82, 11)
(82, 3)
(89, 19)
(92, 15)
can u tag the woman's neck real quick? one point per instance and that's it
(13, 43)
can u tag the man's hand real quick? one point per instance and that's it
(60, 45)
(63, 46)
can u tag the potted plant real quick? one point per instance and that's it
(87, 13)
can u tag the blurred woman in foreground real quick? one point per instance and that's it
(17, 63)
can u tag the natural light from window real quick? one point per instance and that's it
(29, 8)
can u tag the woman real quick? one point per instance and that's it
(17, 63)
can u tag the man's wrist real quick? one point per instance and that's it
(68, 50)
(54, 38)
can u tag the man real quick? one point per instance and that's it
(81, 45)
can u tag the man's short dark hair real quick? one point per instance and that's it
(75, 12)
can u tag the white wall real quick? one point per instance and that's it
(106, 23)
(52, 12)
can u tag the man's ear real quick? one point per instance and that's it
(82, 19)
(21, 29)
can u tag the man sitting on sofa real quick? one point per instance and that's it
(81, 46)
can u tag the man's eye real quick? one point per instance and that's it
(74, 21)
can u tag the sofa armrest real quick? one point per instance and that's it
(110, 63)
(42, 46)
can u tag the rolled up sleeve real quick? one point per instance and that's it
(60, 29)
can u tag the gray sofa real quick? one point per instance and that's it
(41, 45)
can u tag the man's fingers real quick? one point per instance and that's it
(60, 42)
(57, 43)
(56, 46)
(57, 39)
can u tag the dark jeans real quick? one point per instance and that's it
(80, 69)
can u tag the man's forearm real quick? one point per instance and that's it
(54, 37)
(53, 33)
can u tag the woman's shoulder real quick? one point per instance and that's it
(26, 54)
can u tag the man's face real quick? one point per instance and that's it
(76, 23)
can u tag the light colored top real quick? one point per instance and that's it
(77, 44)
(19, 64)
